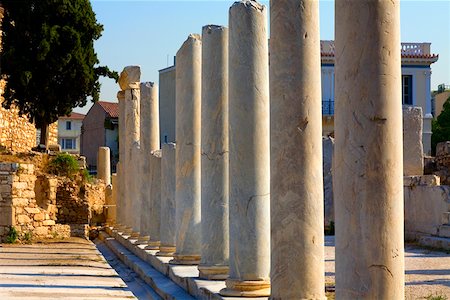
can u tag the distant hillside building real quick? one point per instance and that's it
(69, 132)
(99, 129)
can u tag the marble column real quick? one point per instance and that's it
(111, 217)
(167, 228)
(368, 180)
(249, 151)
(149, 141)
(129, 83)
(154, 214)
(297, 216)
(215, 244)
(121, 201)
(188, 131)
(104, 165)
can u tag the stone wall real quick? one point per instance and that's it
(47, 206)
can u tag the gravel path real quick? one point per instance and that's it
(426, 272)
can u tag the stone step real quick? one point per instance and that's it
(165, 288)
(444, 231)
(435, 242)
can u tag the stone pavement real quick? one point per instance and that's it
(72, 269)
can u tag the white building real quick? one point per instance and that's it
(69, 132)
(416, 84)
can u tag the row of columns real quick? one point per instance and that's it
(240, 194)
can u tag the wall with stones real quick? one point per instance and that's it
(45, 205)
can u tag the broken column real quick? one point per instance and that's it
(155, 199)
(129, 83)
(215, 248)
(111, 208)
(188, 131)
(297, 229)
(368, 181)
(149, 141)
(168, 213)
(104, 165)
(249, 152)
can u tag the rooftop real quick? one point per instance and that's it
(73, 116)
(111, 108)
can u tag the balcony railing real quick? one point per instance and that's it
(406, 48)
(328, 107)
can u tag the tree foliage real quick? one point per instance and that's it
(441, 127)
(48, 57)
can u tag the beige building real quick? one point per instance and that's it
(416, 84)
(69, 132)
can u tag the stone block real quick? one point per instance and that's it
(424, 208)
(48, 222)
(424, 180)
(40, 231)
(32, 210)
(20, 202)
(28, 178)
(23, 219)
(443, 149)
(130, 78)
(19, 185)
(412, 141)
(5, 188)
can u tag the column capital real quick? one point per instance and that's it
(130, 78)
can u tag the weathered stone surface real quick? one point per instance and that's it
(154, 214)
(412, 141)
(368, 181)
(215, 154)
(104, 165)
(121, 201)
(132, 152)
(297, 220)
(249, 134)
(130, 78)
(149, 141)
(168, 206)
(425, 206)
(188, 132)
(328, 150)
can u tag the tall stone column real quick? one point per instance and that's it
(121, 201)
(129, 83)
(215, 168)
(368, 180)
(104, 165)
(297, 226)
(168, 211)
(249, 151)
(188, 131)
(155, 197)
(149, 141)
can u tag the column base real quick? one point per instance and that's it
(127, 231)
(246, 288)
(180, 259)
(134, 235)
(213, 272)
(153, 245)
(142, 240)
(166, 251)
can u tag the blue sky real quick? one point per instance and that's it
(149, 33)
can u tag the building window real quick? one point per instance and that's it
(68, 125)
(407, 90)
(68, 144)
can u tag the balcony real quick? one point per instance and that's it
(328, 107)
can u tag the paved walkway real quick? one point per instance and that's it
(74, 269)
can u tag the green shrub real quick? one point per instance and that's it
(436, 297)
(27, 237)
(86, 176)
(64, 164)
(12, 236)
